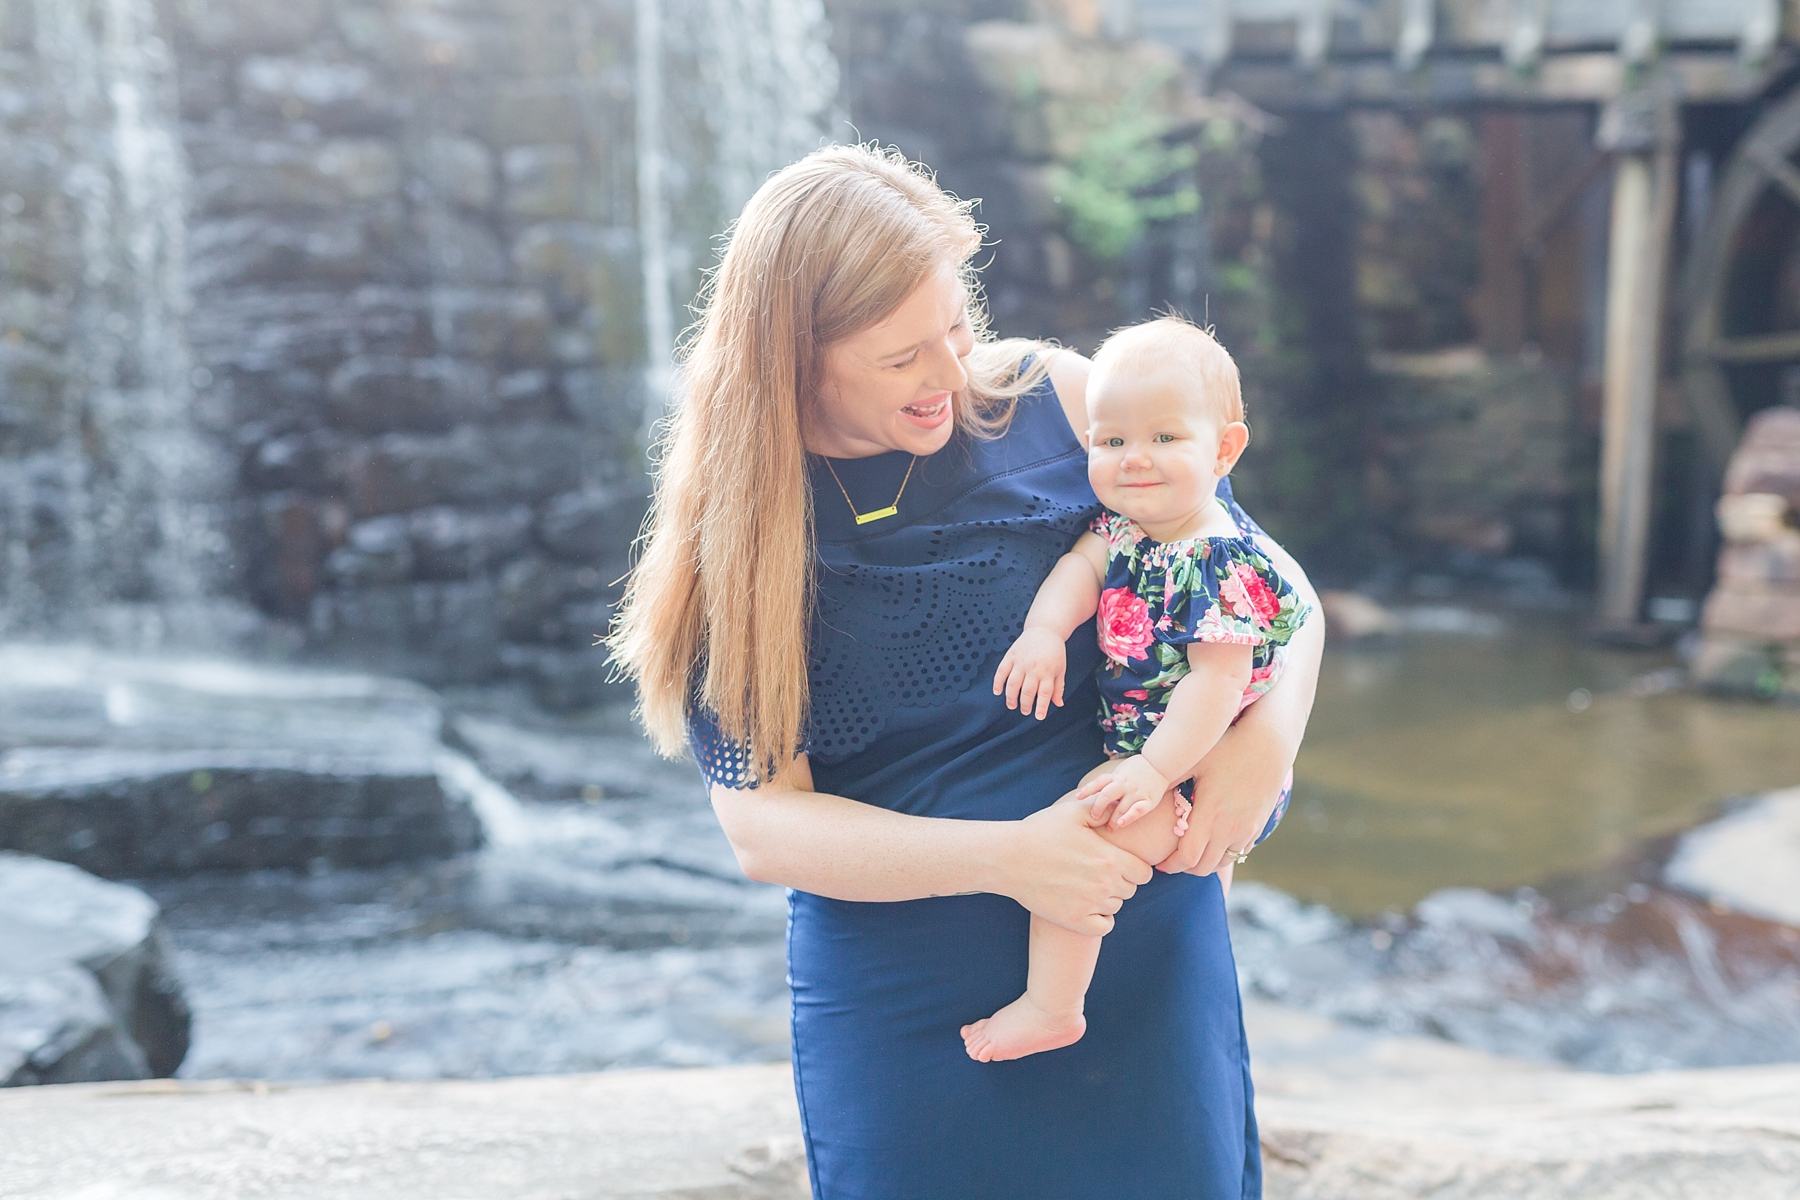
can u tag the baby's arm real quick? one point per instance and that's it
(1201, 709)
(1031, 671)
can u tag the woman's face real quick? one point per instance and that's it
(891, 386)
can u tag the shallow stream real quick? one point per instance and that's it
(1473, 853)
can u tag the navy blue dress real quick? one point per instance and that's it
(913, 614)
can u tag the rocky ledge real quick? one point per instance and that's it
(87, 990)
(136, 767)
(1343, 1113)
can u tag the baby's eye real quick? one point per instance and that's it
(1114, 443)
(1165, 437)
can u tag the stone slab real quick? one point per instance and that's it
(1344, 1112)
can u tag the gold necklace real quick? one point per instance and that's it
(890, 510)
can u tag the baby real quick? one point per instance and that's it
(1192, 621)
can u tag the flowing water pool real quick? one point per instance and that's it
(1472, 853)
(1506, 754)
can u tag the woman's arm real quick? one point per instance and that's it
(1239, 783)
(1050, 862)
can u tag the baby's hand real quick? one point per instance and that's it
(1031, 673)
(1133, 790)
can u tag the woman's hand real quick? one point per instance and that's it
(1064, 872)
(1236, 788)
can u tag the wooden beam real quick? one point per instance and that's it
(1643, 219)
(1756, 348)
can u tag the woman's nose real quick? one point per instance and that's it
(947, 370)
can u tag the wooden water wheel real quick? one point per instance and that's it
(1740, 349)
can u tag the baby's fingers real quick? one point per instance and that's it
(1049, 691)
(1126, 816)
(1000, 674)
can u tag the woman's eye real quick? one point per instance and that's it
(901, 366)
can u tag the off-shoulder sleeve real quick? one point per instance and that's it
(1225, 590)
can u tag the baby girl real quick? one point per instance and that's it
(1192, 621)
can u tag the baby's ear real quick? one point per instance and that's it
(1232, 440)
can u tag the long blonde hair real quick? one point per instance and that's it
(718, 609)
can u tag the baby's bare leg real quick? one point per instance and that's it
(1050, 1013)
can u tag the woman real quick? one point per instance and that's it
(857, 500)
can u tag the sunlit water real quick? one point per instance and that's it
(608, 926)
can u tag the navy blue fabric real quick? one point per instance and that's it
(913, 614)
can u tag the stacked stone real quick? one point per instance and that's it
(413, 257)
(1751, 623)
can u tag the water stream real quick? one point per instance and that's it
(116, 497)
(607, 924)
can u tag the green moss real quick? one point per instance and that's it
(1117, 183)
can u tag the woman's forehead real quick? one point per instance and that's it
(936, 303)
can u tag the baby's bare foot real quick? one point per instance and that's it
(1019, 1029)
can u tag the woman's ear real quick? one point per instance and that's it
(1232, 440)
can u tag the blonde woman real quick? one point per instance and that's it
(858, 498)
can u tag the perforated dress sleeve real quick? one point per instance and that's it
(721, 759)
(1225, 590)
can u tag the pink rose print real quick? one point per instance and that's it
(1124, 712)
(1125, 629)
(1249, 597)
(1137, 694)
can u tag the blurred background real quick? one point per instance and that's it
(332, 331)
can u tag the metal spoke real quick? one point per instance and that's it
(1782, 172)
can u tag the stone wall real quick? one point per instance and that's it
(413, 257)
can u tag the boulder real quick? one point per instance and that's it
(87, 990)
(1747, 860)
(133, 813)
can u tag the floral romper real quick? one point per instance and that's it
(1160, 596)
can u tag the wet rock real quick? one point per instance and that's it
(503, 326)
(141, 813)
(437, 632)
(341, 97)
(543, 183)
(266, 25)
(1750, 625)
(87, 987)
(453, 249)
(1746, 861)
(341, 171)
(458, 170)
(1351, 616)
(593, 526)
(378, 552)
(383, 393)
(565, 680)
(398, 472)
(452, 543)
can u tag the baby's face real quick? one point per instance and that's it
(1156, 447)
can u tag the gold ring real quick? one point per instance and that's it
(1239, 856)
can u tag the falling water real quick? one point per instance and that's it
(102, 497)
(727, 91)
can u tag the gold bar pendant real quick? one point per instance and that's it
(865, 518)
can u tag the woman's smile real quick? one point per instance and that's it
(929, 414)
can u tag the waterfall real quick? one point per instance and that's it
(103, 497)
(727, 92)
